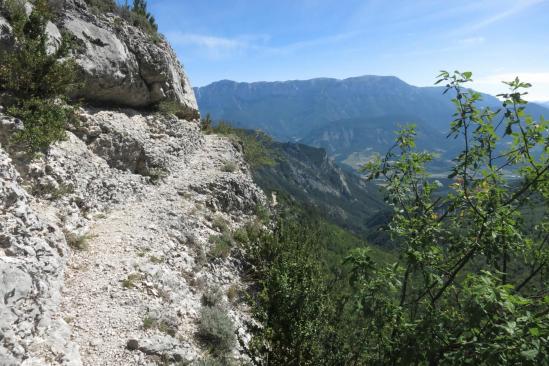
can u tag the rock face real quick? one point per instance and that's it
(313, 179)
(33, 253)
(106, 240)
(140, 192)
(6, 38)
(119, 64)
(122, 64)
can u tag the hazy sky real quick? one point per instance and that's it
(256, 40)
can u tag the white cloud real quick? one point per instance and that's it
(531, 77)
(315, 42)
(216, 47)
(210, 42)
(519, 6)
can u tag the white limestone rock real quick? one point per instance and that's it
(119, 64)
(122, 64)
(32, 257)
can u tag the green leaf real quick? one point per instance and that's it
(530, 354)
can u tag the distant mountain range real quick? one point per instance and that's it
(351, 118)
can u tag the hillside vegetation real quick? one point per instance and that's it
(141, 236)
(310, 179)
(470, 283)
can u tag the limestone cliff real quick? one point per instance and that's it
(104, 240)
(119, 64)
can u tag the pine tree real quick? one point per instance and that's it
(140, 8)
(38, 79)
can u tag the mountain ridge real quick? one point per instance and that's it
(303, 110)
(431, 91)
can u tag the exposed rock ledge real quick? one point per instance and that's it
(119, 64)
(97, 188)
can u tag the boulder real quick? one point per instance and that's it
(231, 194)
(167, 347)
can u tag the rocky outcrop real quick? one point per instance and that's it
(119, 64)
(106, 240)
(127, 209)
(142, 145)
(6, 37)
(314, 180)
(122, 64)
(33, 253)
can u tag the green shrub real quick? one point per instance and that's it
(131, 280)
(233, 293)
(38, 81)
(213, 361)
(220, 224)
(224, 128)
(148, 322)
(14, 11)
(181, 111)
(51, 192)
(470, 283)
(103, 6)
(254, 230)
(263, 214)
(241, 235)
(166, 328)
(44, 121)
(222, 246)
(291, 302)
(29, 71)
(151, 322)
(56, 7)
(212, 297)
(250, 232)
(255, 144)
(156, 260)
(140, 10)
(216, 329)
(228, 167)
(255, 147)
(206, 123)
(137, 14)
(156, 174)
(75, 241)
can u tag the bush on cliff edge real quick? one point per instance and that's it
(37, 79)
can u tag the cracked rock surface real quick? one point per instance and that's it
(104, 241)
(122, 64)
(33, 253)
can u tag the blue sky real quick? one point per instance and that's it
(258, 40)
